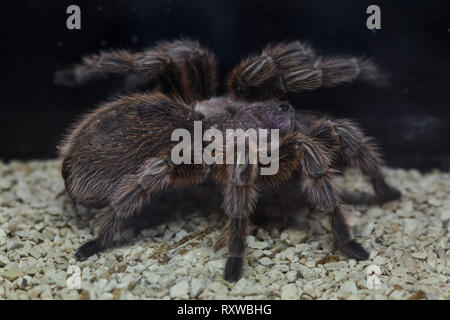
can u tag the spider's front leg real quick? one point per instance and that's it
(239, 200)
(302, 152)
(356, 151)
(294, 67)
(317, 183)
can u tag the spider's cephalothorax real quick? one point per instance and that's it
(119, 156)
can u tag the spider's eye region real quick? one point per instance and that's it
(284, 108)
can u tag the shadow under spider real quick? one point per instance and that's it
(275, 209)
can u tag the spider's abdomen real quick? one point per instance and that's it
(115, 140)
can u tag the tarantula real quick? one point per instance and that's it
(117, 158)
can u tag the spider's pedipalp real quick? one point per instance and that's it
(236, 233)
(239, 201)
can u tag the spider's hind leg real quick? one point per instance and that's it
(179, 67)
(356, 151)
(109, 225)
(132, 193)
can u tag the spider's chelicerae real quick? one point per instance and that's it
(119, 156)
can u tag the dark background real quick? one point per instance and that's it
(410, 118)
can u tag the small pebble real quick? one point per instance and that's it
(196, 287)
(419, 255)
(12, 275)
(265, 261)
(445, 215)
(348, 287)
(289, 292)
(180, 290)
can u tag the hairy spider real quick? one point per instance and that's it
(117, 158)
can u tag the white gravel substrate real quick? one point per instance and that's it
(288, 258)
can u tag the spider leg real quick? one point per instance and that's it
(288, 163)
(356, 151)
(135, 190)
(239, 200)
(317, 182)
(96, 66)
(236, 233)
(180, 67)
(306, 154)
(292, 68)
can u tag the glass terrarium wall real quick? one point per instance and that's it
(410, 117)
